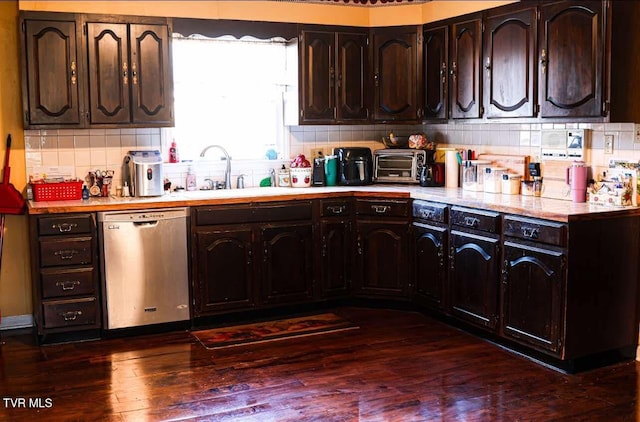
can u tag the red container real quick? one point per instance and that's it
(62, 191)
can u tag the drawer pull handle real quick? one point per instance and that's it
(64, 227)
(380, 209)
(530, 232)
(471, 221)
(68, 285)
(427, 214)
(70, 315)
(66, 254)
(335, 209)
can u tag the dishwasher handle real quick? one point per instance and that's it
(151, 223)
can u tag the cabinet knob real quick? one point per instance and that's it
(125, 73)
(68, 284)
(74, 74)
(530, 232)
(380, 209)
(66, 254)
(543, 61)
(70, 315)
(64, 227)
(134, 74)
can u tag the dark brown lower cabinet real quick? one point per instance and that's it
(287, 268)
(335, 260)
(248, 256)
(430, 265)
(224, 269)
(532, 285)
(473, 277)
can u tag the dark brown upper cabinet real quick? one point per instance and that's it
(397, 64)
(465, 81)
(52, 75)
(509, 60)
(435, 65)
(570, 54)
(130, 78)
(334, 76)
(95, 71)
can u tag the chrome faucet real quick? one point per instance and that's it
(227, 172)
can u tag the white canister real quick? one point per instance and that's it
(511, 184)
(493, 179)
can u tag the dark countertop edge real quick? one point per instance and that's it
(394, 192)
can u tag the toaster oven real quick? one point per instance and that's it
(398, 165)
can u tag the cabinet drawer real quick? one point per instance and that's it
(73, 282)
(206, 216)
(282, 211)
(541, 231)
(386, 208)
(72, 224)
(67, 313)
(487, 221)
(74, 251)
(336, 208)
(430, 211)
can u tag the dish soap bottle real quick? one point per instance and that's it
(173, 152)
(191, 179)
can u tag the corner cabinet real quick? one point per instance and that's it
(334, 76)
(397, 74)
(52, 70)
(129, 73)
(382, 245)
(96, 71)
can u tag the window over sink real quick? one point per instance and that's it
(229, 92)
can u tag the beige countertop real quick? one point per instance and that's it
(551, 209)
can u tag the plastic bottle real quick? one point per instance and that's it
(173, 152)
(85, 192)
(283, 177)
(191, 179)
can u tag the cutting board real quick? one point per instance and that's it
(554, 179)
(518, 164)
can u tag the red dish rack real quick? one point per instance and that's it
(61, 191)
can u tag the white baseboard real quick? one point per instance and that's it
(15, 322)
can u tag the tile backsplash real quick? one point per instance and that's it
(90, 149)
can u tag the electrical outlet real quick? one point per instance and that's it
(317, 152)
(608, 144)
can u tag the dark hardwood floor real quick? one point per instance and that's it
(398, 366)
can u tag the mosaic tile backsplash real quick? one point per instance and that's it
(89, 149)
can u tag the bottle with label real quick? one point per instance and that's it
(191, 179)
(283, 177)
(173, 152)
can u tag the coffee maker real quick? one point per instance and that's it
(142, 171)
(355, 166)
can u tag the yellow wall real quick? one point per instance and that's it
(15, 287)
(15, 291)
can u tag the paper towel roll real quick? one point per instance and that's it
(451, 169)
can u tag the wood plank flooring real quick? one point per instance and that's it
(398, 366)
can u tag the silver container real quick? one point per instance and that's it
(142, 170)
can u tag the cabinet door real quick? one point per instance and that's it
(224, 269)
(509, 64)
(382, 267)
(317, 69)
(430, 264)
(532, 295)
(473, 280)
(397, 73)
(352, 92)
(466, 45)
(571, 59)
(151, 76)
(109, 73)
(436, 59)
(287, 273)
(336, 252)
(51, 80)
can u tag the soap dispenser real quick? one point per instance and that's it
(191, 179)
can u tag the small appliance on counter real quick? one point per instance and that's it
(432, 175)
(398, 165)
(577, 179)
(355, 166)
(142, 171)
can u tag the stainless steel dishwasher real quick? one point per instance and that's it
(145, 266)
